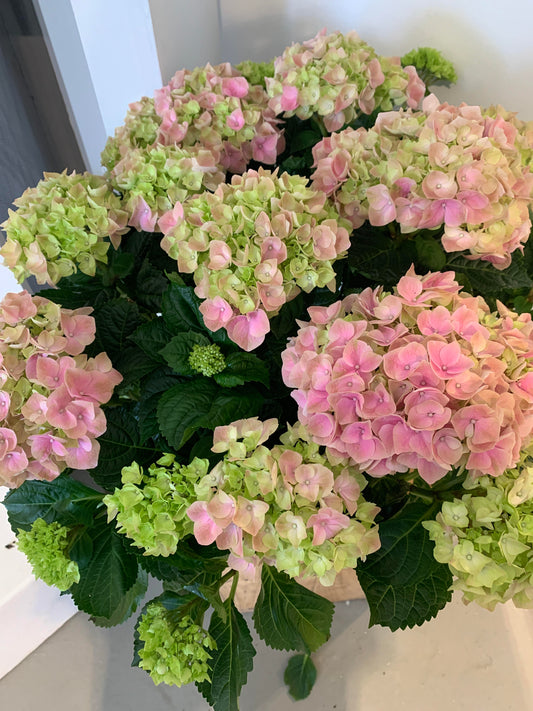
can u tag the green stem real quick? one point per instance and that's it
(233, 586)
(228, 576)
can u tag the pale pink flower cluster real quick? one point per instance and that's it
(252, 246)
(289, 506)
(337, 77)
(212, 107)
(422, 379)
(50, 393)
(449, 168)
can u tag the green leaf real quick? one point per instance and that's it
(129, 604)
(231, 662)
(109, 575)
(284, 324)
(242, 368)
(403, 583)
(180, 409)
(133, 364)
(176, 353)
(115, 322)
(288, 616)
(150, 285)
(202, 565)
(180, 309)
(379, 257)
(300, 676)
(120, 264)
(231, 405)
(487, 280)
(151, 337)
(429, 251)
(63, 500)
(120, 445)
(79, 290)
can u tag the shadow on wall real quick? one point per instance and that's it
(491, 69)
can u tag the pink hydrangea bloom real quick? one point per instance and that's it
(435, 384)
(56, 416)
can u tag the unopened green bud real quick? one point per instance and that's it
(207, 360)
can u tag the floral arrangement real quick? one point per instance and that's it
(288, 333)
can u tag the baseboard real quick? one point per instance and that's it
(30, 611)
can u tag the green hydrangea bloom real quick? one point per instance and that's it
(431, 66)
(173, 653)
(150, 507)
(164, 175)
(45, 546)
(60, 226)
(207, 360)
(256, 72)
(486, 538)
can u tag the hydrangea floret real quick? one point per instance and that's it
(337, 77)
(449, 168)
(62, 225)
(50, 392)
(424, 378)
(173, 652)
(252, 246)
(213, 107)
(289, 506)
(486, 538)
(150, 507)
(46, 547)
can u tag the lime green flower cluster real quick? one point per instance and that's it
(45, 546)
(151, 506)
(161, 176)
(173, 653)
(486, 538)
(60, 225)
(431, 66)
(256, 72)
(290, 506)
(207, 360)
(139, 130)
(337, 77)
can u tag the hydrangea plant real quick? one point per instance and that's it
(289, 335)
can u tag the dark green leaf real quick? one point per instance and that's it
(152, 337)
(63, 500)
(231, 405)
(288, 616)
(133, 364)
(403, 583)
(300, 676)
(120, 264)
(305, 139)
(180, 309)
(109, 575)
(429, 251)
(115, 322)
(242, 368)
(177, 351)
(129, 604)
(284, 324)
(150, 285)
(486, 279)
(379, 256)
(78, 290)
(202, 565)
(180, 409)
(81, 549)
(230, 662)
(119, 447)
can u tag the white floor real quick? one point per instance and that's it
(466, 660)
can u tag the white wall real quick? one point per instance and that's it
(488, 41)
